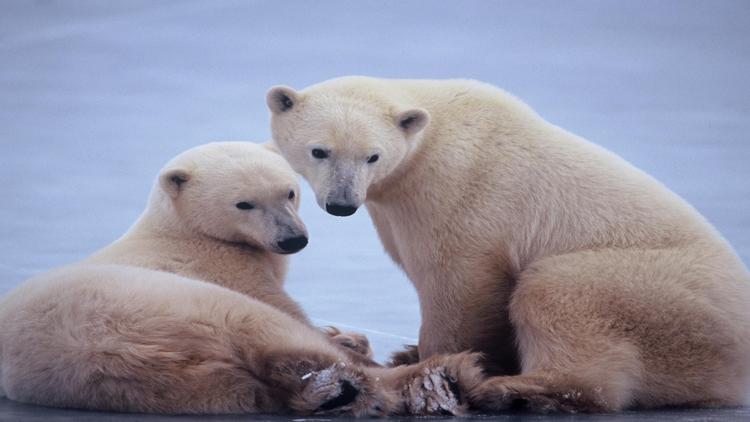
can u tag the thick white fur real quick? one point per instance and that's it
(125, 338)
(186, 312)
(586, 282)
(201, 234)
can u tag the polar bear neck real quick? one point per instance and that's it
(157, 241)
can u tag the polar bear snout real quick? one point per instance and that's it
(289, 234)
(343, 190)
(340, 210)
(292, 244)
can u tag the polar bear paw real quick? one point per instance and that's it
(339, 389)
(441, 385)
(354, 342)
(408, 356)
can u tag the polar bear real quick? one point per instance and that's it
(186, 313)
(587, 285)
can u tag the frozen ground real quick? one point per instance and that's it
(96, 96)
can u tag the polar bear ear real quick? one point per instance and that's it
(412, 121)
(281, 98)
(173, 181)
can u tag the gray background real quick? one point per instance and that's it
(96, 96)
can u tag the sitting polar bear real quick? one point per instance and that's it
(585, 282)
(186, 313)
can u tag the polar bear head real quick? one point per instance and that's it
(345, 136)
(236, 192)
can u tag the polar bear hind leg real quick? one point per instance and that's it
(596, 333)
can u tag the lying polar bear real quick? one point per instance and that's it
(186, 313)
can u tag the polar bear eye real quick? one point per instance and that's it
(373, 158)
(245, 205)
(291, 194)
(319, 153)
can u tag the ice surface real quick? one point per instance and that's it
(96, 96)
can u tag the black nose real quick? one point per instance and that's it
(340, 210)
(293, 244)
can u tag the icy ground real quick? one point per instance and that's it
(96, 96)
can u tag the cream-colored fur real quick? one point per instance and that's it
(197, 231)
(587, 284)
(186, 313)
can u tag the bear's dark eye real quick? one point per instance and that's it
(291, 194)
(319, 153)
(373, 158)
(245, 205)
